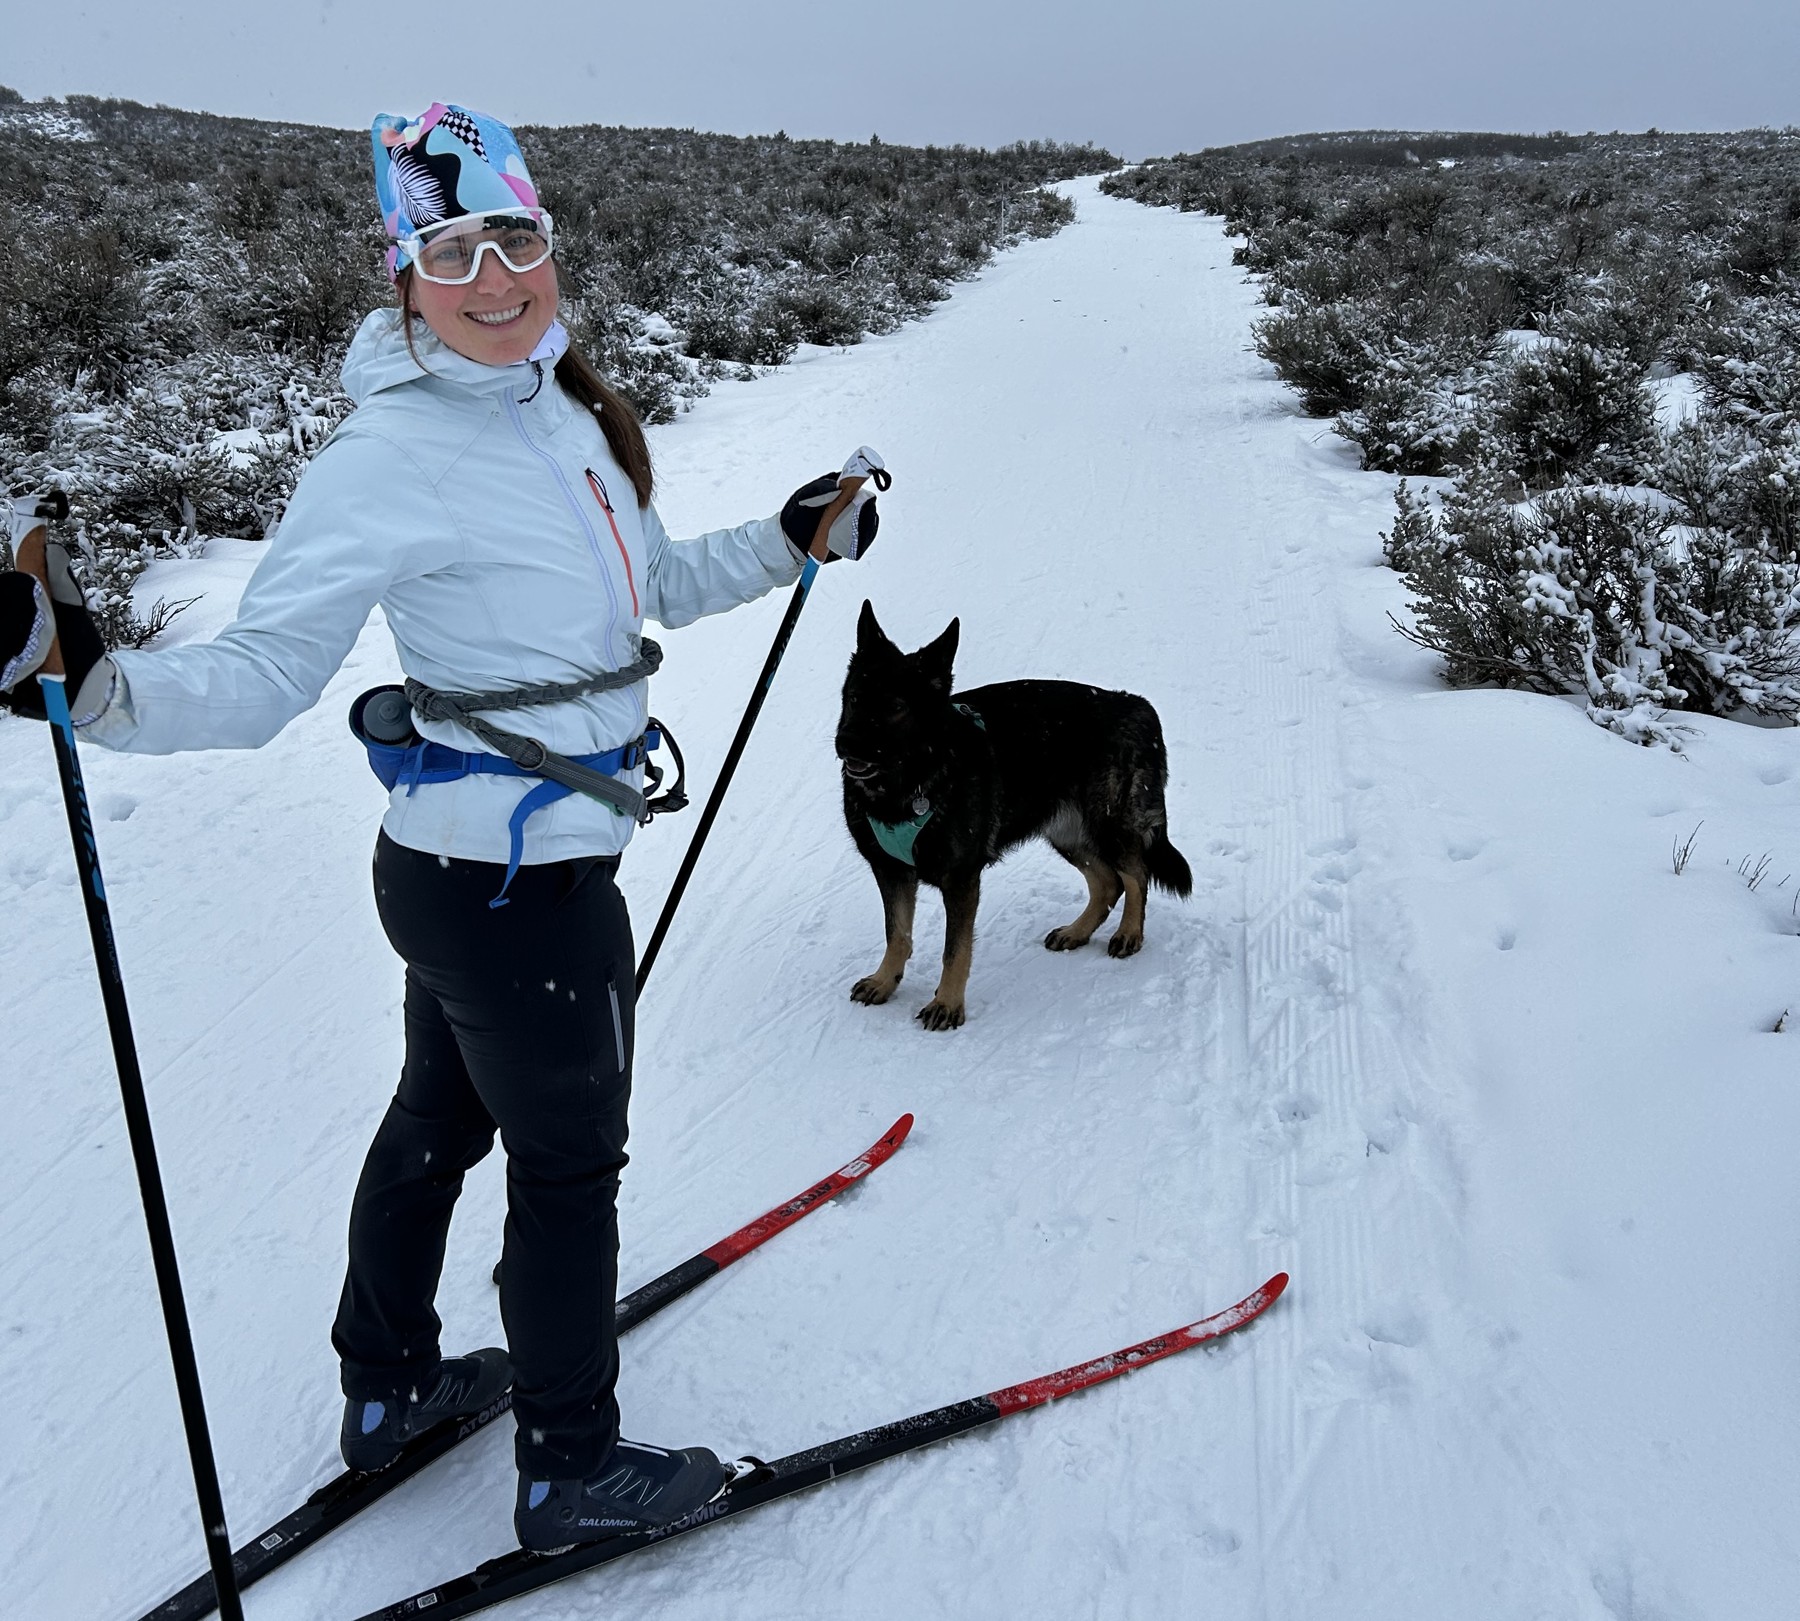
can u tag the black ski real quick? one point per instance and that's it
(349, 1494)
(519, 1572)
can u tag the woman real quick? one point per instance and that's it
(492, 494)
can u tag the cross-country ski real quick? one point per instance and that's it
(348, 1494)
(521, 1572)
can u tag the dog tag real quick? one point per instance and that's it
(921, 806)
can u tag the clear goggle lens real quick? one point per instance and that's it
(451, 252)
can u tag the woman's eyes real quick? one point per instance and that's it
(455, 254)
(447, 255)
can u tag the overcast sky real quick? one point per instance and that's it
(1139, 76)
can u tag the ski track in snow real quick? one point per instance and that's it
(1331, 1060)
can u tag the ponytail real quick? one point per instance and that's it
(624, 433)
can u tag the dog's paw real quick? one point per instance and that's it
(1125, 945)
(1065, 940)
(872, 990)
(936, 1015)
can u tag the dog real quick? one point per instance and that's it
(939, 786)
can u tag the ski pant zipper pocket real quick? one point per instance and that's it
(618, 1022)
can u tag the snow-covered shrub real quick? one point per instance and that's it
(1570, 410)
(1750, 370)
(87, 295)
(1765, 244)
(1289, 241)
(315, 291)
(1461, 568)
(1327, 353)
(823, 315)
(1417, 415)
(752, 331)
(1642, 311)
(1043, 213)
(193, 450)
(1583, 590)
(1745, 652)
(1723, 476)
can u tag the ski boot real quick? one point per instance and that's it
(376, 1432)
(639, 1488)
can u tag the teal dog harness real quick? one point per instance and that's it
(898, 838)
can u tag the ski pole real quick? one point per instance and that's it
(32, 561)
(862, 466)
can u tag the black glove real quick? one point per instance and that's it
(853, 532)
(27, 615)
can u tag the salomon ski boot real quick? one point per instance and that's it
(375, 1432)
(639, 1488)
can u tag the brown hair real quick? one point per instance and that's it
(580, 379)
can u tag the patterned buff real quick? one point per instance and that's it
(445, 163)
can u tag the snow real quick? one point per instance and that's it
(1440, 1032)
(1677, 398)
(240, 445)
(45, 119)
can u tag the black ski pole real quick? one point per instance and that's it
(815, 557)
(131, 1085)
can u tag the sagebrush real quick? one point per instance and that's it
(1503, 312)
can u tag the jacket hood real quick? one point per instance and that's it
(379, 358)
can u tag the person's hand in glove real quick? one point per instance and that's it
(853, 530)
(31, 618)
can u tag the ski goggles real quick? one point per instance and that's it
(450, 251)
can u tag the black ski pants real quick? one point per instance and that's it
(518, 1017)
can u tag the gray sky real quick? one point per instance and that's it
(1140, 76)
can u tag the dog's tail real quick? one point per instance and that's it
(1168, 866)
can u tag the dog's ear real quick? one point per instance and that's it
(937, 659)
(870, 638)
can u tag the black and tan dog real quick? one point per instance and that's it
(939, 787)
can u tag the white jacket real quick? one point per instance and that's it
(459, 498)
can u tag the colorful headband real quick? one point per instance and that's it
(443, 164)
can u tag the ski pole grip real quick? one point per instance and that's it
(846, 494)
(30, 560)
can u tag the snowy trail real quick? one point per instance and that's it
(1316, 1065)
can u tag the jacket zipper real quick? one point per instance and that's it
(599, 490)
(518, 422)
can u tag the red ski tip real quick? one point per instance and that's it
(736, 1246)
(1035, 1392)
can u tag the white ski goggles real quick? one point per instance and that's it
(450, 251)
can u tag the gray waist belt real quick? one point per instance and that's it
(462, 709)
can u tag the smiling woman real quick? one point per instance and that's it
(469, 244)
(470, 253)
(485, 284)
(466, 495)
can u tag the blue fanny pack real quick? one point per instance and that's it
(419, 761)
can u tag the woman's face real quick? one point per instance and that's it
(496, 319)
